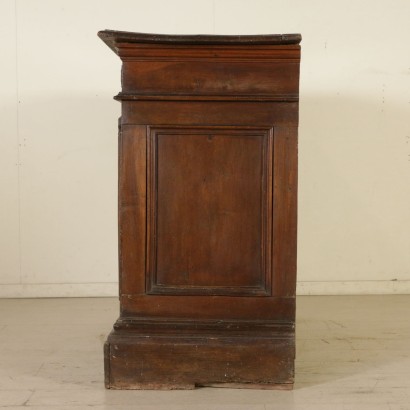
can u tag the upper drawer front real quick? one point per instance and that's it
(259, 72)
(211, 78)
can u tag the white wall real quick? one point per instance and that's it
(58, 147)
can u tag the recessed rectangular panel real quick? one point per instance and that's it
(210, 201)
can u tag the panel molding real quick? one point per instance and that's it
(289, 97)
(153, 287)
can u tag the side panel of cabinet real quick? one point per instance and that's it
(134, 246)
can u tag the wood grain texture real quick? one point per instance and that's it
(207, 212)
(114, 37)
(208, 52)
(218, 241)
(211, 78)
(212, 306)
(285, 209)
(196, 112)
(166, 358)
(132, 208)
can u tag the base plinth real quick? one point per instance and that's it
(141, 354)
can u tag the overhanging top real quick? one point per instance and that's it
(112, 38)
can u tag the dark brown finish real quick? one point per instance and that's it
(113, 38)
(168, 355)
(232, 205)
(207, 211)
(229, 78)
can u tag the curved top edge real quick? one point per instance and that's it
(111, 37)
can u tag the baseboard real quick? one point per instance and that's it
(66, 290)
(58, 290)
(360, 287)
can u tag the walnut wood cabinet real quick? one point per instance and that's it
(207, 211)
